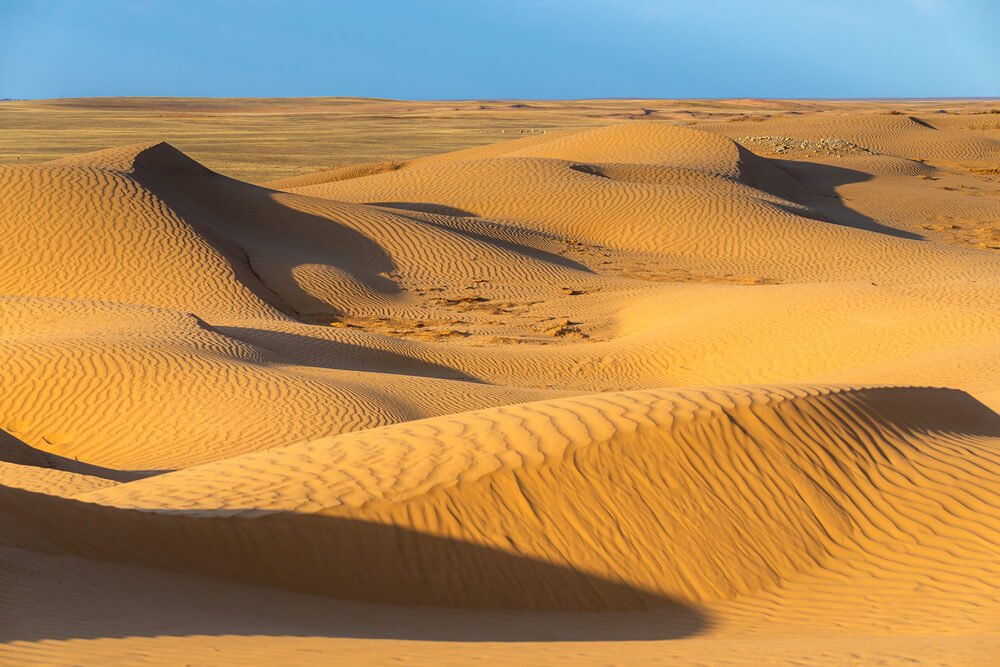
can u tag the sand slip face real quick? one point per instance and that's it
(669, 394)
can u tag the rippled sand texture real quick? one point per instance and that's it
(651, 392)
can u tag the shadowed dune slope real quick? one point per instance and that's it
(141, 388)
(673, 495)
(146, 218)
(695, 197)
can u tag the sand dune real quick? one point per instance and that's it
(725, 208)
(716, 394)
(600, 484)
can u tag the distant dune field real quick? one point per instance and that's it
(518, 382)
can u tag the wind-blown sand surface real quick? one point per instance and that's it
(661, 387)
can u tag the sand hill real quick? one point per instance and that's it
(674, 394)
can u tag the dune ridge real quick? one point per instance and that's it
(538, 480)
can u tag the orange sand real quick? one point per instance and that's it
(628, 394)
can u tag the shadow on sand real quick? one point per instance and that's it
(15, 450)
(477, 592)
(291, 348)
(819, 193)
(528, 251)
(246, 221)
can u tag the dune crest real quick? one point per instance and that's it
(688, 475)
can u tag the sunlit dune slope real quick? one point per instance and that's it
(405, 281)
(655, 495)
(140, 388)
(692, 196)
(144, 219)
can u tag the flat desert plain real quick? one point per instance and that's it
(627, 382)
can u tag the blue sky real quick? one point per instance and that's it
(451, 49)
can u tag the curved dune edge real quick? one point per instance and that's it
(136, 273)
(624, 500)
(651, 187)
